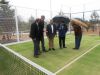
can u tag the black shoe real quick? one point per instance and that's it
(60, 47)
(75, 48)
(36, 56)
(53, 49)
(49, 49)
(45, 51)
(39, 52)
(64, 47)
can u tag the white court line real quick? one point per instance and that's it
(76, 59)
(13, 43)
(17, 42)
(47, 72)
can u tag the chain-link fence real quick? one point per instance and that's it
(91, 18)
(15, 21)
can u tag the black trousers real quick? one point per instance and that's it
(42, 44)
(36, 46)
(77, 41)
(61, 42)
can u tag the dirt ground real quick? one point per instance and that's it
(25, 36)
(91, 32)
(13, 38)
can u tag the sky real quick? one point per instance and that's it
(43, 6)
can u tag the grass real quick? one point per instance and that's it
(55, 60)
(87, 65)
(11, 65)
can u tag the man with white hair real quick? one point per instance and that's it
(41, 24)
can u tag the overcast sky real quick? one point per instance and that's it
(57, 5)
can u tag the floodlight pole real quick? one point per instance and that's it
(50, 9)
(83, 12)
(36, 13)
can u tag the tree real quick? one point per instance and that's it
(7, 21)
(22, 25)
(61, 13)
(31, 20)
(3, 2)
(94, 16)
(94, 19)
(5, 10)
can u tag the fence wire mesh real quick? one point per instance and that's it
(12, 63)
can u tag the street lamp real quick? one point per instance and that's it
(83, 12)
(50, 9)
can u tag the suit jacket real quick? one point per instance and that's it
(49, 30)
(62, 29)
(36, 31)
(41, 25)
(77, 30)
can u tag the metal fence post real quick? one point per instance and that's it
(51, 9)
(36, 12)
(70, 19)
(17, 29)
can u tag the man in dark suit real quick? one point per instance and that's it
(35, 35)
(41, 25)
(51, 32)
(78, 35)
(62, 29)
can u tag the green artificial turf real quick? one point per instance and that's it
(87, 65)
(55, 60)
(11, 65)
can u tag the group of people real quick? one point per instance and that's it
(51, 32)
(37, 35)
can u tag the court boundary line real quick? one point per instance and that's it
(27, 60)
(73, 61)
(14, 43)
